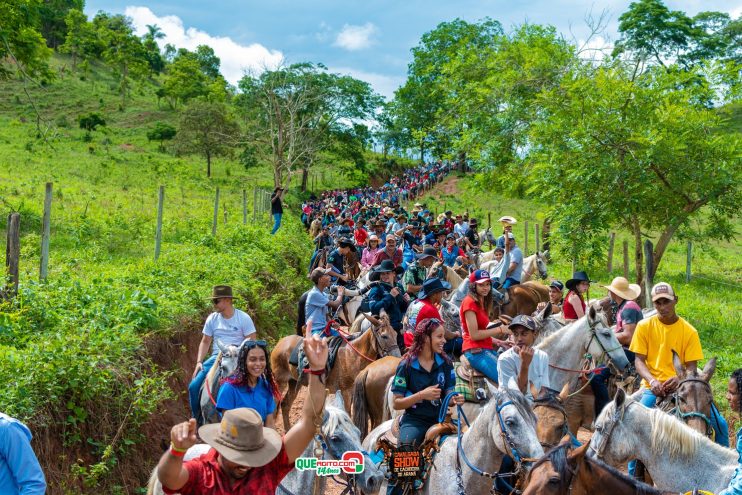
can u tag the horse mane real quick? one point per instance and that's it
(557, 335)
(638, 487)
(550, 398)
(672, 436)
(334, 416)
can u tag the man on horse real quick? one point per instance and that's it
(653, 342)
(515, 270)
(226, 324)
(390, 252)
(471, 237)
(318, 303)
(556, 297)
(424, 266)
(246, 458)
(388, 295)
(336, 260)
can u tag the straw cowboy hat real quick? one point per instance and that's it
(242, 438)
(623, 289)
(506, 220)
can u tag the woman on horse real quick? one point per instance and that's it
(574, 304)
(451, 252)
(424, 377)
(734, 396)
(480, 334)
(252, 383)
(370, 251)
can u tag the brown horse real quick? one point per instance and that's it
(369, 392)
(551, 417)
(523, 298)
(561, 472)
(379, 340)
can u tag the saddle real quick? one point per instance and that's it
(469, 380)
(434, 435)
(299, 359)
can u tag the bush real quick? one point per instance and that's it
(90, 121)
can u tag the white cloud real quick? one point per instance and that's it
(595, 48)
(356, 37)
(384, 85)
(235, 58)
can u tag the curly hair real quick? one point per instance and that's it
(737, 375)
(489, 299)
(423, 328)
(240, 375)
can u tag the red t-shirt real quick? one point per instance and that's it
(568, 311)
(428, 310)
(205, 477)
(483, 319)
(361, 235)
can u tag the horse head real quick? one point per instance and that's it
(615, 438)
(694, 394)
(548, 406)
(450, 314)
(228, 362)
(541, 265)
(341, 436)
(552, 474)
(513, 429)
(605, 344)
(385, 335)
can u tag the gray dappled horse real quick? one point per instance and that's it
(340, 436)
(225, 364)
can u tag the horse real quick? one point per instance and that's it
(225, 364)
(379, 340)
(505, 424)
(315, 228)
(486, 235)
(678, 457)
(691, 401)
(561, 472)
(531, 264)
(338, 434)
(566, 349)
(523, 299)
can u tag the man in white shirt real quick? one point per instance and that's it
(460, 227)
(226, 324)
(522, 362)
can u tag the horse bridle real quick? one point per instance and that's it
(380, 349)
(618, 415)
(594, 336)
(693, 414)
(553, 404)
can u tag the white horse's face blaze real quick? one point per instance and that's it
(611, 437)
(520, 430)
(541, 264)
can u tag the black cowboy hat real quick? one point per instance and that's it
(431, 286)
(473, 221)
(384, 267)
(577, 277)
(346, 242)
(427, 252)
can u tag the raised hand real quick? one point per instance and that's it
(183, 435)
(316, 351)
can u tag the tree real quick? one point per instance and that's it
(208, 129)
(80, 39)
(184, 80)
(161, 132)
(152, 50)
(21, 43)
(619, 148)
(53, 15)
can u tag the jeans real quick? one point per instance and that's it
(195, 387)
(453, 347)
(599, 384)
(276, 222)
(718, 423)
(485, 362)
(411, 435)
(509, 282)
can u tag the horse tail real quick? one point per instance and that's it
(360, 404)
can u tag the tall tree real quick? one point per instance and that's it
(21, 45)
(52, 15)
(208, 129)
(81, 39)
(152, 49)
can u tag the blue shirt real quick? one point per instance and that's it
(316, 309)
(735, 484)
(337, 261)
(20, 472)
(259, 398)
(516, 256)
(411, 379)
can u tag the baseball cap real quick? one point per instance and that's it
(557, 285)
(662, 290)
(524, 321)
(479, 277)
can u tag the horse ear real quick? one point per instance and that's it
(592, 314)
(221, 346)
(546, 312)
(708, 370)
(564, 394)
(620, 398)
(339, 402)
(374, 321)
(679, 366)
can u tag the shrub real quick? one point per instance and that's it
(90, 121)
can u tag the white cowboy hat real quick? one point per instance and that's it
(623, 289)
(506, 220)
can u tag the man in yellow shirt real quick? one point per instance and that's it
(653, 342)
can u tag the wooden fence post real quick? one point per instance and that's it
(626, 259)
(244, 207)
(688, 257)
(648, 248)
(12, 253)
(611, 241)
(489, 219)
(224, 212)
(525, 239)
(216, 212)
(46, 232)
(538, 240)
(254, 203)
(158, 231)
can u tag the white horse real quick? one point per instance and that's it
(486, 235)
(483, 443)
(679, 458)
(531, 264)
(225, 364)
(340, 435)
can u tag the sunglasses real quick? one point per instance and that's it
(250, 344)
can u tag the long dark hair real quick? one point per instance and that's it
(423, 328)
(489, 299)
(240, 375)
(737, 375)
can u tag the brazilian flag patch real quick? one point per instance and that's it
(400, 382)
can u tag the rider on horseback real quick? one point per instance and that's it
(515, 270)
(336, 260)
(317, 301)
(424, 266)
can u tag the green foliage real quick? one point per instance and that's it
(161, 132)
(21, 41)
(52, 15)
(90, 121)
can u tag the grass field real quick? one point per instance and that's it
(712, 301)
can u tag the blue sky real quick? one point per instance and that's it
(370, 40)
